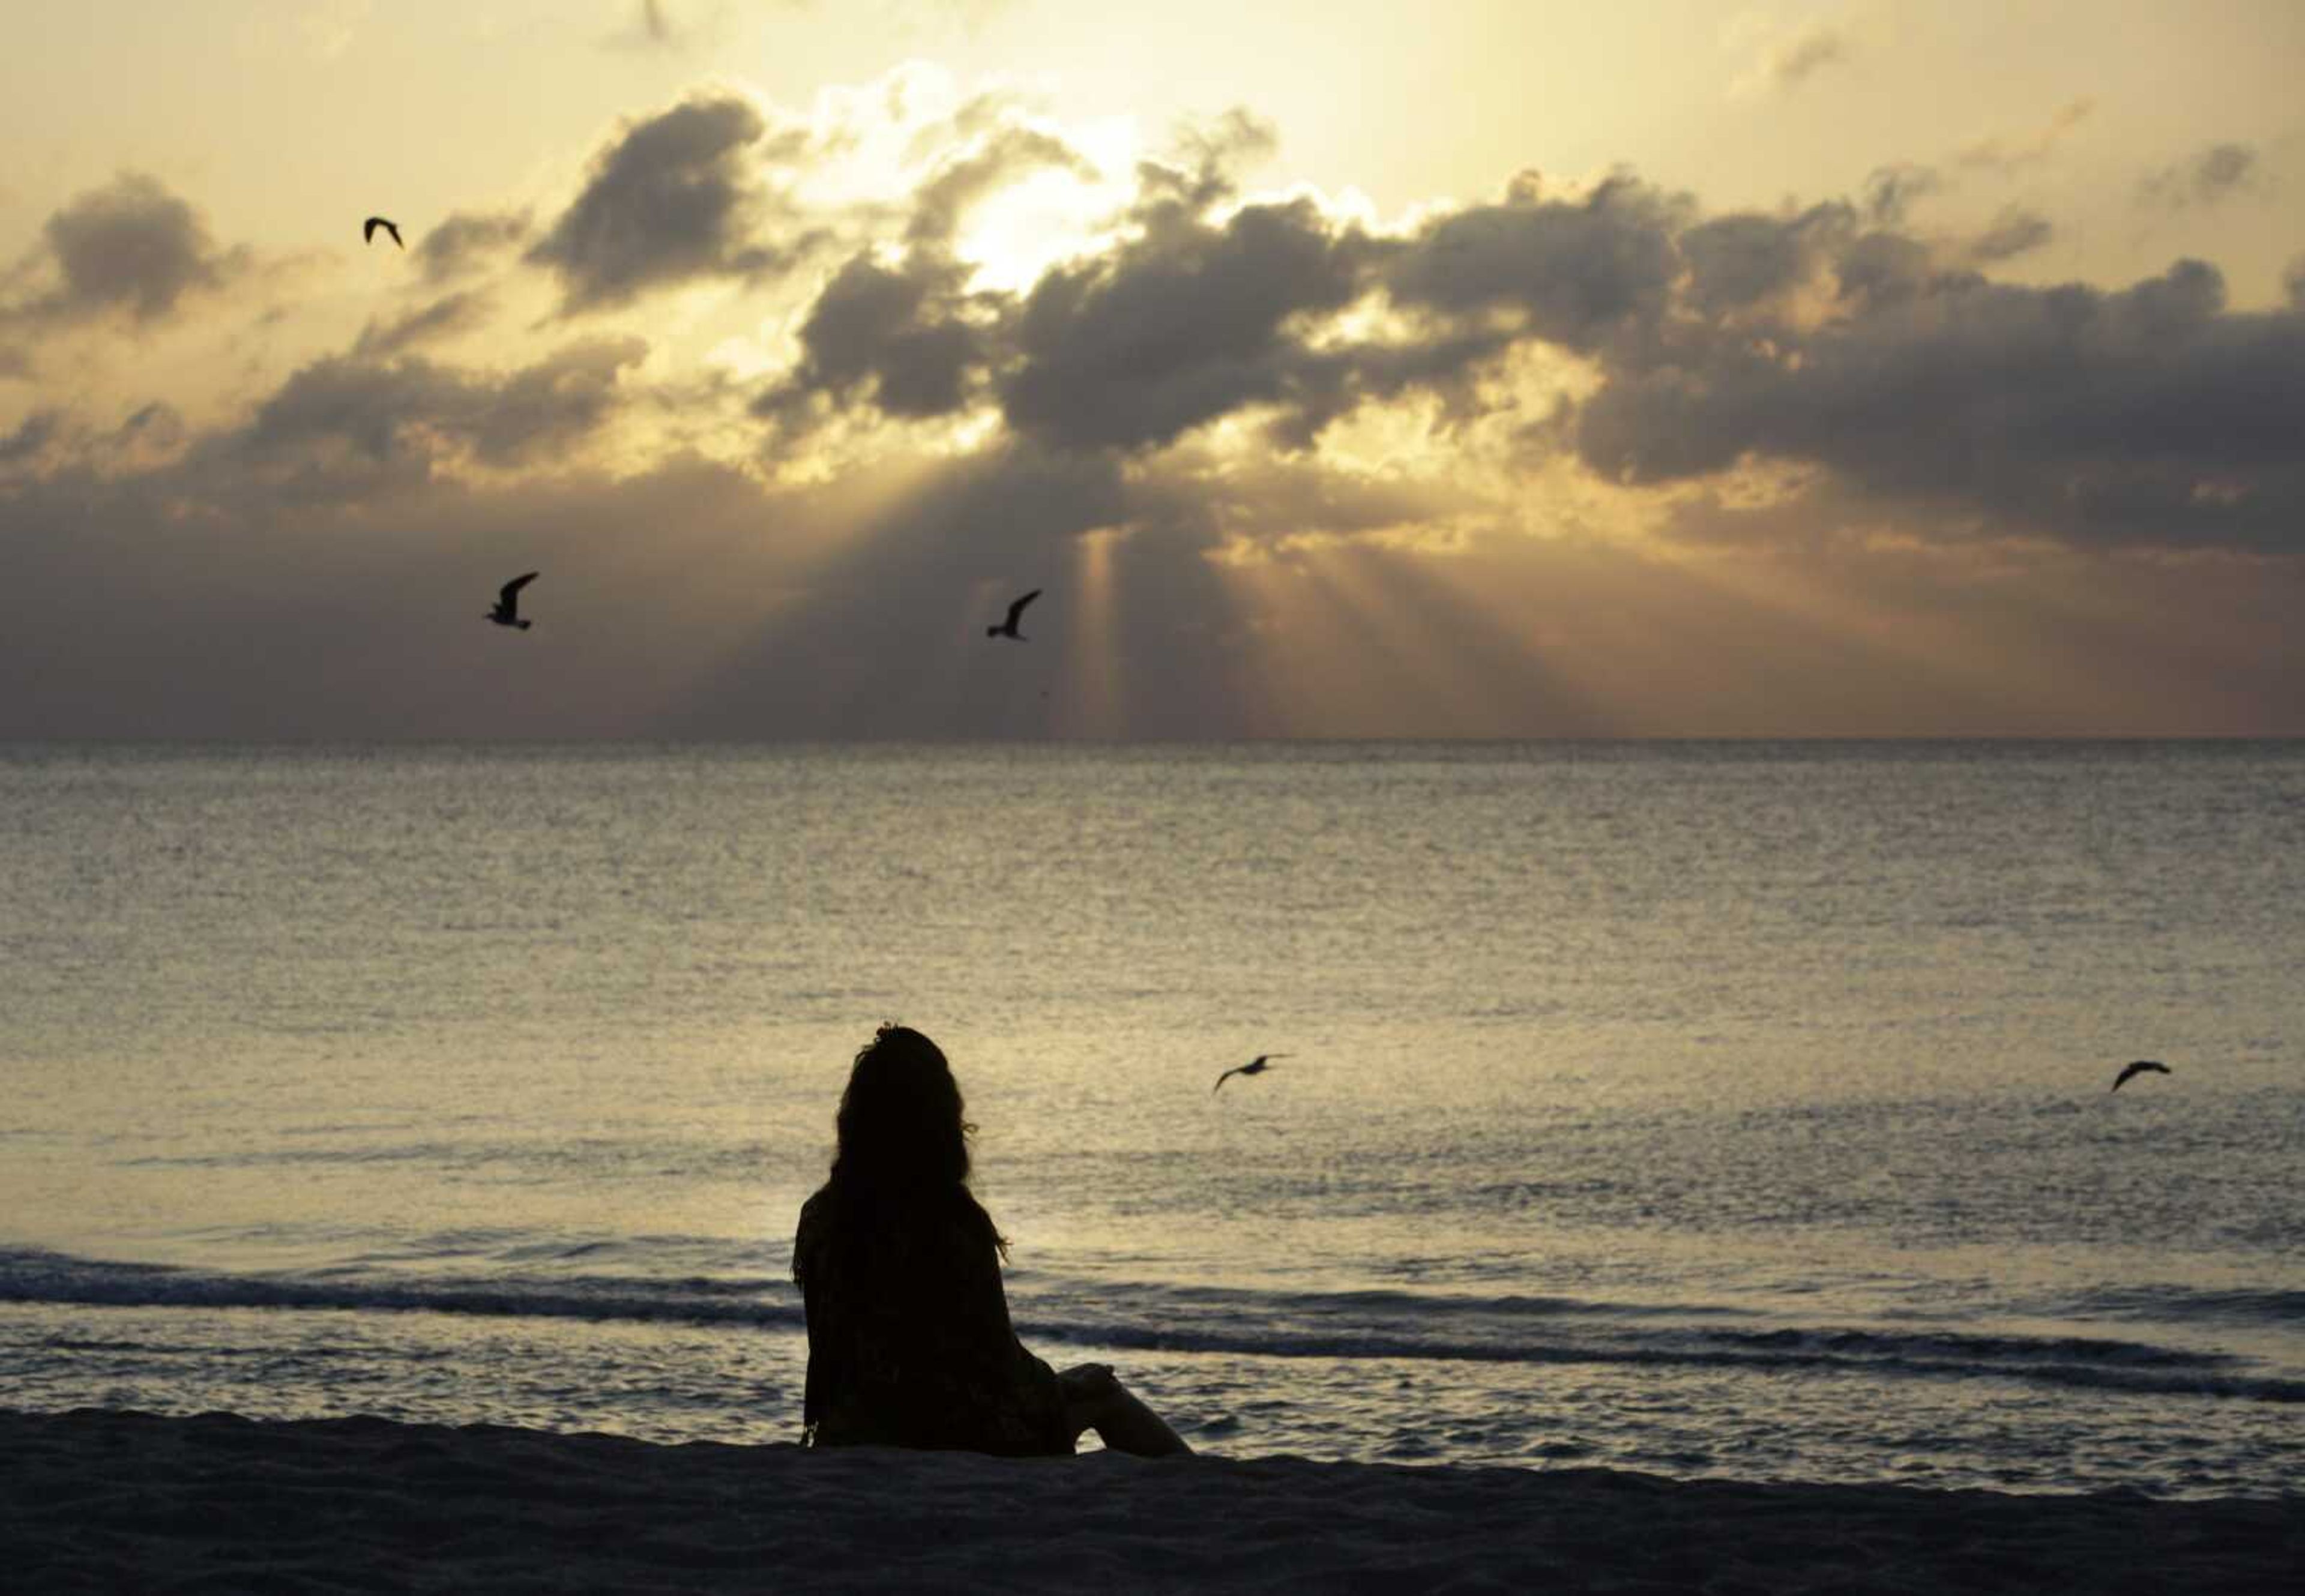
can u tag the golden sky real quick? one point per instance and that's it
(1337, 370)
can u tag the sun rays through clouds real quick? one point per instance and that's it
(790, 393)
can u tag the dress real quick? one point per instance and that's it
(909, 1342)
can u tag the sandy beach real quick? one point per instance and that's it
(94, 1500)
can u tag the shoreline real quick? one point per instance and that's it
(97, 1499)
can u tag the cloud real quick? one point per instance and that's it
(2148, 416)
(993, 164)
(1782, 59)
(1826, 337)
(346, 426)
(52, 439)
(1202, 168)
(1500, 449)
(1882, 267)
(445, 317)
(1576, 270)
(2206, 178)
(1176, 328)
(130, 249)
(901, 338)
(1184, 320)
(1892, 191)
(676, 198)
(1218, 149)
(2009, 153)
(31, 435)
(464, 242)
(2013, 232)
(1746, 258)
(156, 425)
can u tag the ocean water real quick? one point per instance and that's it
(1709, 1110)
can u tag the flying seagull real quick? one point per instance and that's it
(507, 610)
(369, 227)
(1007, 628)
(1254, 1066)
(2143, 1067)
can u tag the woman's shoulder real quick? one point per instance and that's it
(817, 1208)
(952, 1212)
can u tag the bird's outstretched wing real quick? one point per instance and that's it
(510, 592)
(1018, 608)
(369, 227)
(2142, 1067)
(1228, 1076)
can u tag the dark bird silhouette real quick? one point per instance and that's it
(1254, 1066)
(1007, 628)
(369, 227)
(2143, 1067)
(507, 610)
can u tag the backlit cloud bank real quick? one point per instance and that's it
(786, 402)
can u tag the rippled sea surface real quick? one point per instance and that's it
(1731, 1109)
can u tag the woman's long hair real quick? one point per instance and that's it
(900, 1121)
(903, 1137)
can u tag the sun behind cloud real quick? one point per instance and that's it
(1577, 450)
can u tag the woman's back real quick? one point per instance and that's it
(909, 1342)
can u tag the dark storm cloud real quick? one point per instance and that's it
(2205, 179)
(1178, 328)
(130, 247)
(466, 240)
(2149, 415)
(676, 198)
(444, 317)
(1577, 268)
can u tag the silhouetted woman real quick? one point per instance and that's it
(909, 1342)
